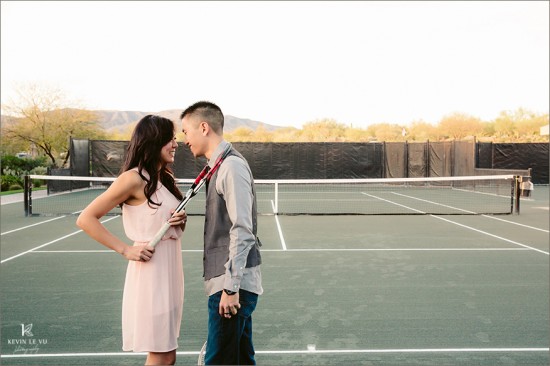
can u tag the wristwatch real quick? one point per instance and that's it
(229, 292)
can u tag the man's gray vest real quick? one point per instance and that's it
(217, 226)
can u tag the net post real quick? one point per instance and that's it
(516, 193)
(48, 172)
(27, 196)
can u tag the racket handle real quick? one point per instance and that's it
(158, 236)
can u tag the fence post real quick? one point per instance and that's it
(427, 156)
(516, 188)
(406, 159)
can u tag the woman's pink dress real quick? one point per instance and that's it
(152, 304)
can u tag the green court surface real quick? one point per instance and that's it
(339, 290)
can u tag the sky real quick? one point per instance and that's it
(285, 63)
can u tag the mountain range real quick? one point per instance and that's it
(113, 120)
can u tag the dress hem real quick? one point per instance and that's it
(148, 350)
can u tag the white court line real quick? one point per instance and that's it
(100, 251)
(402, 249)
(478, 192)
(71, 251)
(492, 235)
(433, 203)
(308, 250)
(409, 350)
(28, 226)
(283, 243)
(464, 226)
(515, 223)
(456, 208)
(393, 203)
(279, 352)
(51, 242)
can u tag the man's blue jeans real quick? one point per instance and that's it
(229, 341)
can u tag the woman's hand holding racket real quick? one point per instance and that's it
(178, 218)
(144, 253)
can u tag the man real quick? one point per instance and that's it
(231, 258)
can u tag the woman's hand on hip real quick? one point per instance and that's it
(139, 253)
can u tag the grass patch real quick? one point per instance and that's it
(6, 193)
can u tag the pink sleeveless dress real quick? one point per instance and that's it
(152, 303)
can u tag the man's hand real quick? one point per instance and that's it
(229, 305)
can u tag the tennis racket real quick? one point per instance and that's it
(200, 361)
(202, 178)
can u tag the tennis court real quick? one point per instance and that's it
(339, 289)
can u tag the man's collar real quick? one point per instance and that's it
(219, 150)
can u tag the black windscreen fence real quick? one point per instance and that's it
(79, 150)
(417, 162)
(532, 156)
(440, 155)
(312, 160)
(395, 160)
(338, 160)
(484, 155)
(107, 157)
(463, 158)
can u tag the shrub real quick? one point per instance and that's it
(14, 170)
(20, 166)
(39, 170)
(7, 181)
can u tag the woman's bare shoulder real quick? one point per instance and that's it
(130, 177)
(132, 183)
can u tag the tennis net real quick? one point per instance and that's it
(471, 195)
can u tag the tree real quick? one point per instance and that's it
(386, 132)
(356, 135)
(262, 135)
(42, 117)
(286, 134)
(11, 146)
(325, 130)
(242, 133)
(460, 125)
(520, 124)
(504, 125)
(422, 131)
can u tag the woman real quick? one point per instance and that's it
(153, 292)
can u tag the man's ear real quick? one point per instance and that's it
(204, 127)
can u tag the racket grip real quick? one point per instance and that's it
(158, 236)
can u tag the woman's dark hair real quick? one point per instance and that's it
(149, 136)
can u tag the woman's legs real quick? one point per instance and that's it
(161, 358)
